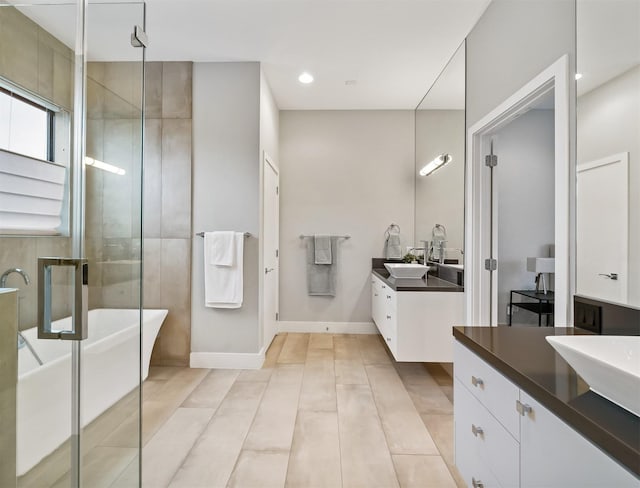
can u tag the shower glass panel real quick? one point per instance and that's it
(76, 402)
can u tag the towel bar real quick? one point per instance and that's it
(246, 234)
(302, 236)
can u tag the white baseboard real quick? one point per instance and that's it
(227, 360)
(328, 327)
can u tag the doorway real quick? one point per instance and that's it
(483, 272)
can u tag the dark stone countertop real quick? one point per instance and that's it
(525, 357)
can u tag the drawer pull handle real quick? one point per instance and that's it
(476, 483)
(476, 431)
(389, 317)
(383, 286)
(522, 408)
(388, 339)
(375, 294)
(389, 297)
(477, 381)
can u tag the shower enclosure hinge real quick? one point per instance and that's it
(491, 160)
(139, 37)
(490, 264)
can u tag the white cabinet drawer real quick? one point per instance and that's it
(492, 445)
(492, 389)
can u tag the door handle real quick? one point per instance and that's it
(79, 322)
(611, 276)
(268, 270)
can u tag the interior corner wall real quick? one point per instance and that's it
(226, 188)
(269, 121)
(342, 172)
(617, 100)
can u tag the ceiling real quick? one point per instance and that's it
(390, 51)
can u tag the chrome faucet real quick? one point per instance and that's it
(21, 272)
(424, 258)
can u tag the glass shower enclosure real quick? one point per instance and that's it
(71, 151)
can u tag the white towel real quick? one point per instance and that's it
(223, 285)
(322, 249)
(221, 247)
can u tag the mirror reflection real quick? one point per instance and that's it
(608, 150)
(439, 171)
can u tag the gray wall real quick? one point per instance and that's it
(343, 172)
(226, 189)
(609, 123)
(440, 196)
(525, 183)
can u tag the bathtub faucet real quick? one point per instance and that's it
(21, 272)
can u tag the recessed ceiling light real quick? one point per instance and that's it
(305, 78)
(578, 76)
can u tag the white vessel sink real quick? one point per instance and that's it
(405, 270)
(609, 364)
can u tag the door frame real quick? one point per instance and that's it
(479, 298)
(266, 336)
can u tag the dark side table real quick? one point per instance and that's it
(541, 304)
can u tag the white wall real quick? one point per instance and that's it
(342, 172)
(513, 41)
(440, 196)
(609, 123)
(525, 185)
(226, 189)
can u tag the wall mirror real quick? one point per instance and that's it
(440, 160)
(608, 150)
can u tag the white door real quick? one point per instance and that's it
(271, 222)
(602, 216)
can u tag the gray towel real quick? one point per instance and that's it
(322, 249)
(321, 278)
(394, 250)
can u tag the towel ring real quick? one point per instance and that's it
(392, 229)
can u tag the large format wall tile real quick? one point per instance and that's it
(176, 178)
(176, 90)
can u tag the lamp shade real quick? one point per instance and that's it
(541, 265)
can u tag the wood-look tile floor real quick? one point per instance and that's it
(325, 410)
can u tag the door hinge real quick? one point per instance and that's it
(139, 37)
(277, 190)
(490, 264)
(277, 253)
(491, 160)
(277, 316)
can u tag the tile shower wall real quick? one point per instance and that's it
(35, 60)
(167, 207)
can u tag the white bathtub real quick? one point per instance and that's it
(110, 370)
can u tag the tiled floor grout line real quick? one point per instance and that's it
(335, 385)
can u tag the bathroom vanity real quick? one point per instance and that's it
(523, 417)
(415, 316)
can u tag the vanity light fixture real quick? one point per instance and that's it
(435, 164)
(104, 166)
(305, 78)
(578, 76)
